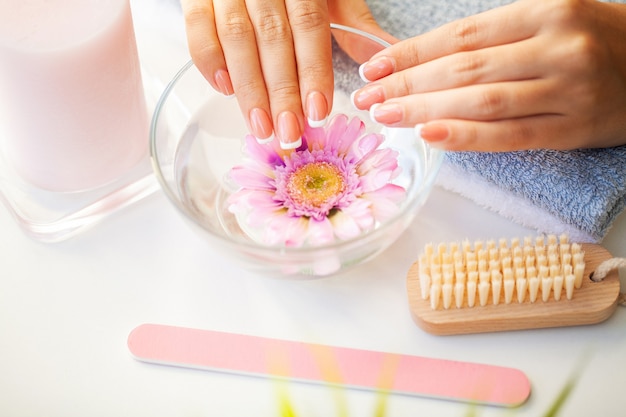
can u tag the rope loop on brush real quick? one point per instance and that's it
(604, 269)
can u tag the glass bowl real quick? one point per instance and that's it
(197, 136)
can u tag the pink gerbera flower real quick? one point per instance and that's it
(335, 186)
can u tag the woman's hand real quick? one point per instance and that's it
(533, 74)
(274, 55)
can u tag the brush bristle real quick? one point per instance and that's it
(510, 271)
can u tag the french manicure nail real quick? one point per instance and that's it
(261, 125)
(352, 94)
(288, 130)
(433, 132)
(361, 72)
(376, 68)
(316, 109)
(368, 95)
(386, 113)
(224, 85)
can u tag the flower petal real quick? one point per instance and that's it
(265, 153)
(314, 137)
(381, 159)
(345, 226)
(364, 146)
(334, 130)
(353, 131)
(295, 235)
(254, 207)
(393, 192)
(361, 212)
(373, 181)
(342, 133)
(385, 201)
(251, 179)
(286, 230)
(320, 232)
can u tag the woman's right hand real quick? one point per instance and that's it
(275, 57)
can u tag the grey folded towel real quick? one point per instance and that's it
(577, 192)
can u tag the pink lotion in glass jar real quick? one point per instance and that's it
(73, 117)
(72, 99)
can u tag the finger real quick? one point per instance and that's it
(362, 44)
(499, 26)
(279, 68)
(204, 46)
(518, 61)
(237, 37)
(549, 131)
(310, 29)
(484, 102)
(356, 14)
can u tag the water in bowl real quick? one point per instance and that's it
(212, 143)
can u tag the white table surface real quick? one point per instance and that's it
(66, 310)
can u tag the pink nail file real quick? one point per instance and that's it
(330, 365)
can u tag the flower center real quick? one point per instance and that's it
(315, 183)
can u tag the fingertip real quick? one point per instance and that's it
(264, 141)
(460, 135)
(376, 68)
(418, 130)
(261, 125)
(316, 123)
(288, 130)
(436, 134)
(352, 96)
(223, 82)
(362, 73)
(316, 109)
(433, 131)
(291, 145)
(363, 98)
(372, 112)
(388, 113)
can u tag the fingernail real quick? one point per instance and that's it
(366, 96)
(432, 132)
(352, 94)
(288, 130)
(261, 125)
(387, 113)
(316, 109)
(224, 85)
(376, 68)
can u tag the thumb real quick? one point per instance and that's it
(356, 14)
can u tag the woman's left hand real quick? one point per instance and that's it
(532, 74)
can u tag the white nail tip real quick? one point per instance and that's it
(265, 141)
(352, 94)
(372, 110)
(316, 123)
(291, 145)
(361, 73)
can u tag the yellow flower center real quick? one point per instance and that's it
(315, 183)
